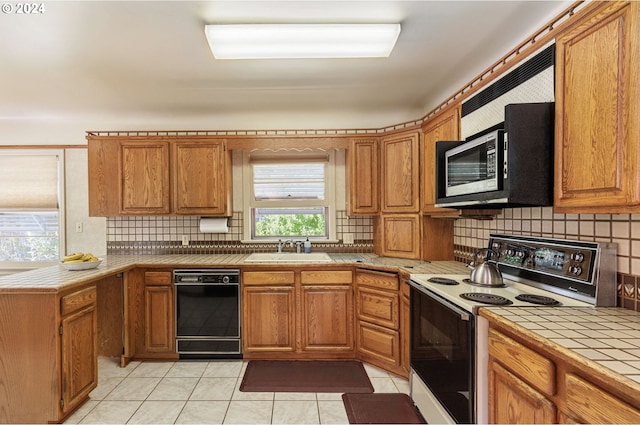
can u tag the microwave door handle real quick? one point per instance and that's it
(464, 315)
(505, 158)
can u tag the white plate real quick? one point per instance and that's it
(82, 266)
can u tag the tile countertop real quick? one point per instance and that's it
(606, 339)
(56, 278)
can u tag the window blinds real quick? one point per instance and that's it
(28, 182)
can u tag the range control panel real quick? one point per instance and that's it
(571, 259)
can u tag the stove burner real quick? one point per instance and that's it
(471, 282)
(537, 299)
(443, 281)
(486, 298)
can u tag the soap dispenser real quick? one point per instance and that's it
(307, 246)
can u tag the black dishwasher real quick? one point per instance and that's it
(208, 313)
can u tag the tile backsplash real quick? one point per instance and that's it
(160, 235)
(622, 229)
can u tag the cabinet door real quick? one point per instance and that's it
(144, 173)
(401, 173)
(445, 127)
(513, 401)
(159, 319)
(202, 177)
(378, 345)
(400, 235)
(327, 318)
(268, 318)
(104, 178)
(79, 344)
(362, 173)
(597, 157)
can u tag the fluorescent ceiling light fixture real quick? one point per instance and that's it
(295, 41)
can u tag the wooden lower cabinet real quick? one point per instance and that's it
(268, 321)
(48, 353)
(327, 318)
(297, 313)
(149, 316)
(378, 345)
(590, 404)
(159, 322)
(378, 338)
(531, 382)
(79, 346)
(513, 401)
(159, 317)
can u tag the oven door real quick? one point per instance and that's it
(442, 353)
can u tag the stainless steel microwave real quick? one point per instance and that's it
(507, 165)
(476, 166)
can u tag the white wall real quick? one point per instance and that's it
(93, 237)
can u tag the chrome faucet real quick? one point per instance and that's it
(291, 242)
(282, 243)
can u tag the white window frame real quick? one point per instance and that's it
(15, 266)
(248, 197)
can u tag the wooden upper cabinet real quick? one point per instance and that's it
(597, 157)
(104, 177)
(401, 173)
(144, 174)
(443, 127)
(400, 235)
(129, 176)
(202, 177)
(362, 174)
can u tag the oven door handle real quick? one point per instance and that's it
(464, 315)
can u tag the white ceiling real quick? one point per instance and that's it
(146, 64)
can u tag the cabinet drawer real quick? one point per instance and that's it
(326, 276)
(592, 404)
(158, 278)
(378, 307)
(375, 279)
(268, 278)
(533, 368)
(78, 300)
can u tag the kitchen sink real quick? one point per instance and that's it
(288, 257)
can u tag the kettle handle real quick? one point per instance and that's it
(489, 253)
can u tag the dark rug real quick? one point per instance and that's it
(339, 376)
(381, 408)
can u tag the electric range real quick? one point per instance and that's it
(449, 341)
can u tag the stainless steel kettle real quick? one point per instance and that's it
(485, 273)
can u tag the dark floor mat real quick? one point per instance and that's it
(340, 376)
(380, 408)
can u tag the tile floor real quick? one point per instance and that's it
(206, 392)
